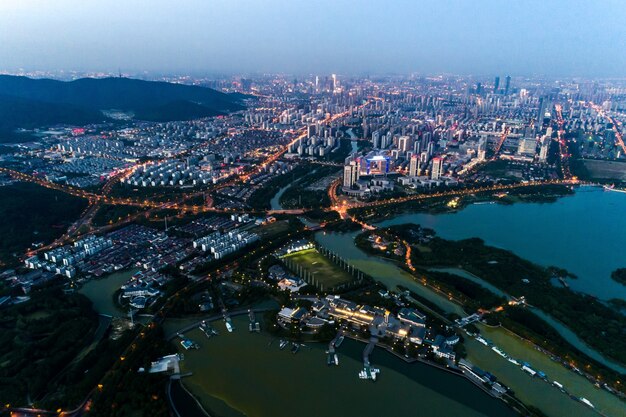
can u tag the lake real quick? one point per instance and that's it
(584, 233)
(100, 291)
(244, 373)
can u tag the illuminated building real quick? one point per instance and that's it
(437, 168)
(414, 166)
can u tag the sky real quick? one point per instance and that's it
(479, 37)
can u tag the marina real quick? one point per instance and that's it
(276, 383)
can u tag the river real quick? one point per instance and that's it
(275, 201)
(564, 331)
(242, 373)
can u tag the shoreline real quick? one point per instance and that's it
(397, 358)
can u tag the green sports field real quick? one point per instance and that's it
(324, 270)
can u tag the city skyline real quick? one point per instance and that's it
(480, 38)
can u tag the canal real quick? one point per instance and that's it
(564, 331)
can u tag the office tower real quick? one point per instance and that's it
(437, 168)
(335, 85)
(350, 174)
(479, 88)
(496, 84)
(507, 85)
(414, 166)
(317, 84)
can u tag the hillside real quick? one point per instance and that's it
(27, 102)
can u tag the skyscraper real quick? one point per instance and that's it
(437, 168)
(350, 174)
(414, 166)
(496, 84)
(507, 85)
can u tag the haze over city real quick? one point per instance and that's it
(325, 208)
(485, 37)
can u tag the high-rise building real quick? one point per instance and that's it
(404, 143)
(417, 147)
(414, 166)
(507, 84)
(496, 85)
(545, 147)
(430, 148)
(350, 174)
(437, 168)
(376, 139)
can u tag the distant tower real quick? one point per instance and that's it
(437, 168)
(414, 166)
(507, 85)
(496, 84)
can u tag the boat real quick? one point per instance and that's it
(586, 402)
(481, 340)
(513, 361)
(189, 344)
(336, 358)
(282, 344)
(229, 324)
(528, 369)
(369, 373)
(499, 351)
(295, 348)
(557, 384)
(339, 340)
(206, 329)
(612, 188)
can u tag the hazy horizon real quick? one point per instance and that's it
(484, 37)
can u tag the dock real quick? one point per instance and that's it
(254, 325)
(368, 351)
